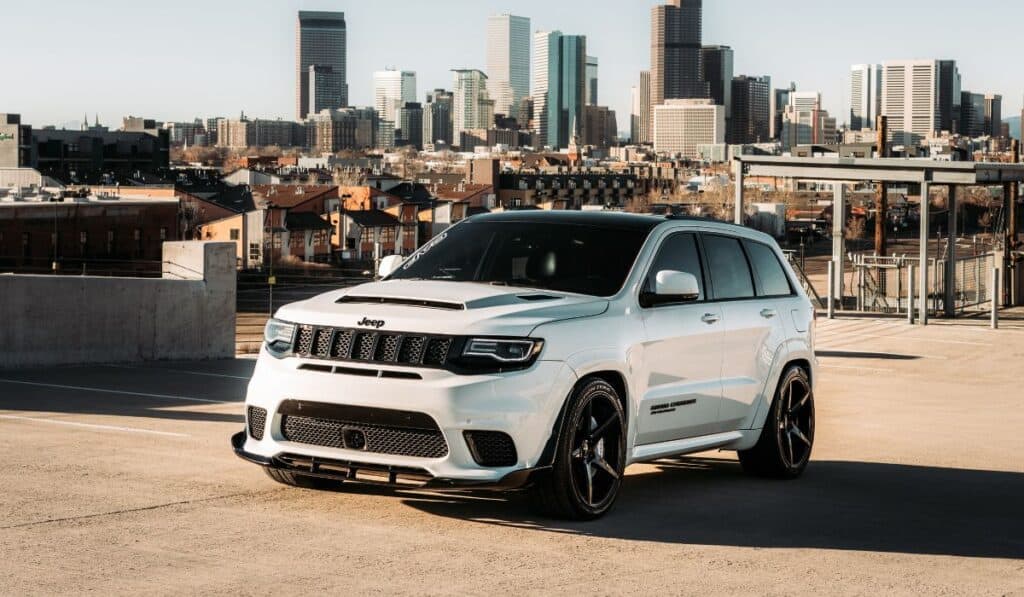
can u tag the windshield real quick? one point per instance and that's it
(546, 255)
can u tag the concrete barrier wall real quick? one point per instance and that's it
(187, 314)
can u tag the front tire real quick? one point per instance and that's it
(303, 481)
(784, 447)
(590, 456)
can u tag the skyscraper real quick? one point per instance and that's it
(508, 61)
(325, 87)
(717, 71)
(320, 40)
(641, 118)
(751, 110)
(472, 107)
(392, 89)
(676, 33)
(559, 86)
(917, 99)
(865, 95)
(994, 115)
(437, 117)
(410, 125)
(972, 114)
(683, 126)
(591, 90)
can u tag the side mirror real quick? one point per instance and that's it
(388, 265)
(672, 287)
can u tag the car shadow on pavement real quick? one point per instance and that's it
(836, 505)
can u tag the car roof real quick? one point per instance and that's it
(609, 219)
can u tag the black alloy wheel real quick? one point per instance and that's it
(787, 439)
(591, 456)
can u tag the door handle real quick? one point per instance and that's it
(768, 313)
(710, 318)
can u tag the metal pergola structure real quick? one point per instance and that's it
(883, 171)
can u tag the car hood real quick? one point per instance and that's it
(438, 307)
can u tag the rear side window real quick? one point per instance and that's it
(678, 253)
(770, 275)
(730, 274)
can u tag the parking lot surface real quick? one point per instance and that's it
(120, 479)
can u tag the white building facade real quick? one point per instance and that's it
(682, 126)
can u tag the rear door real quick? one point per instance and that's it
(753, 291)
(682, 356)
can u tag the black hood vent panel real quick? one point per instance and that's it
(384, 300)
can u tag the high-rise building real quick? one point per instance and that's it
(600, 127)
(410, 125)
(392, 89)
(717, 71)
(472, 107)
(508, 61)
(949, 95)
(681, 126)
(865, 95)
(779, 101)
(591, 85)
(804, 122)
(676, 34)
(920, 98)
(325, 87)
(972, 114)
(320, 40)
(331, 131)
(994, 115)
(751, 110)
(641, 118)
(437, 117)
(559, 87)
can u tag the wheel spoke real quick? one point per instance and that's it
(799, 405)
(590, 483)
(794, 430)
(597, 433)
(603, 465)
(577, 453)
(789, 444)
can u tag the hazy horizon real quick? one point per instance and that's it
(177, 61)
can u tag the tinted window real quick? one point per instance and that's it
(546, 255)
(770, 275)
(730, 273)
(678, 253)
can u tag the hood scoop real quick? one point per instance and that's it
(404, 302)
(534, 298)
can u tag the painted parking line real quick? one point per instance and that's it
(184, 371)
(92, 426)
(855, 368)
(119, 392)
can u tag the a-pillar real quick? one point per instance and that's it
(737, 168)
(922, 283)
(949, 285)
(839, 240)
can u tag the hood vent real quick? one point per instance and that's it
(538, 297)
(383, 300)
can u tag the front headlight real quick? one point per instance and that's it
(279, 336)
(496, 355)
(502, 350)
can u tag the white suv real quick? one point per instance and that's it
(545, 351)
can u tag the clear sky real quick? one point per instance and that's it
(175, 60)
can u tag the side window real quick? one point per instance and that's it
(771, 277)
(728, 267)
(678, 253)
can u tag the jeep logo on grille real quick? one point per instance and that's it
(371, 323)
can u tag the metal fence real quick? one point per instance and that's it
(882, 284)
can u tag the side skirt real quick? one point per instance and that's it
(732, 440)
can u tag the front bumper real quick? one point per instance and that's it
(392, 476)
(525, 405)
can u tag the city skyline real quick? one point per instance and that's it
(250, 67)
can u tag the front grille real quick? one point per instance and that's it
(491, 448)
(380, 431)
(257, 421)
(339, 344)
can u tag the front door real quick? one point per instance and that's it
(682, 355)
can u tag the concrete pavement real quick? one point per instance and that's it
(121, 480)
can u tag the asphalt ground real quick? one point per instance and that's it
(121, 480)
